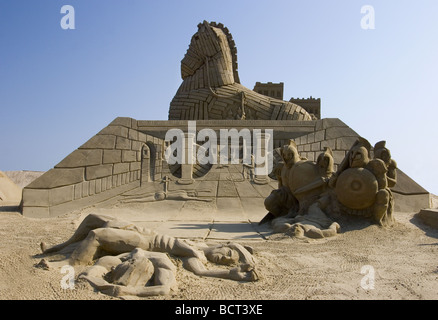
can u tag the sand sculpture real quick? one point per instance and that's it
(325, 171)
(129, 154)
(131, 260)
(211, 87)
(310, 194)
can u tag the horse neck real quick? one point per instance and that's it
(215, 72)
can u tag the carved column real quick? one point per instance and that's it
(189, 160)
(262, 152)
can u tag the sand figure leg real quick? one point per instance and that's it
(332, 230)
(92, 221)
(313, 232)
(243, 272)
(388, 219)
(163, 288)
(381, 206)
(111, 241)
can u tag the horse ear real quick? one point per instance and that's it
(204, 24)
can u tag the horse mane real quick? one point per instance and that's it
(231, 44)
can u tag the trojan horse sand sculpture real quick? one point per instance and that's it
(323, 170)
(211, 87)
(129, 153)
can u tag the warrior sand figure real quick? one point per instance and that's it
(314, 224)
(361, 185)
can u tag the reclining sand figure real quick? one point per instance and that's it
(100, 235)
(314, 224)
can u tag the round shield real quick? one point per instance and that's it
(356, 188)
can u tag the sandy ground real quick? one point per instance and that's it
(404, 260)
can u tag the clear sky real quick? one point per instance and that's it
(60, 87)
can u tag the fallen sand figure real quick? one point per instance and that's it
(314, 224)
(115, 242)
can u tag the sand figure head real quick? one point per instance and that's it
(359, 157)
(222, 255)
(160, 196)
(211, 41)
(289, 153)
(381, 152)
(325, 162)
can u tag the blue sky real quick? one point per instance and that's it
(60, 87)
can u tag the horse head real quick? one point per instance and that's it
(211, 44)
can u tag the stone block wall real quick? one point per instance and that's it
(283, 129)
(128, 152)
(104, 166)
(331, 133)
(311, 137)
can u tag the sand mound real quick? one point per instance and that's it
(434, 200)
(24, 177)
(9, 191)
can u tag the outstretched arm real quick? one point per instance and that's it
(92, 221)
(243, 272)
